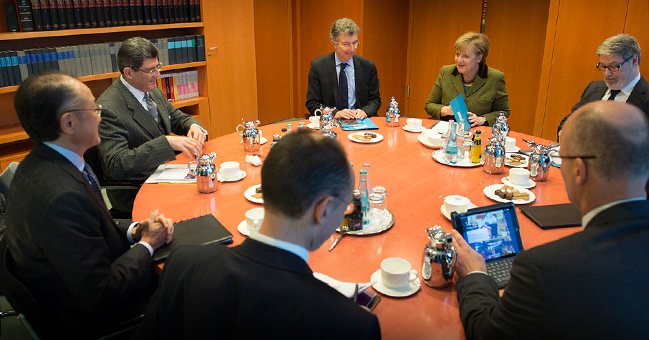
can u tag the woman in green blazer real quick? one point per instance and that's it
(483, 87)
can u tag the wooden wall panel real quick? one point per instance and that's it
(272, 49)
(435, 25)
(385, 43)
(315, 19)
(232, 81)
(518, 53)
(637, 25)
(581, 26)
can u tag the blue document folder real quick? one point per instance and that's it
(361, 124)
(459, 110)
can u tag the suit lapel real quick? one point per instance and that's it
(163, 115)
(479, 81)
(457, 81)
(140, 115)
(358, 76)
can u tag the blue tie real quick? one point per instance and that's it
(92, 178)
(342, 88)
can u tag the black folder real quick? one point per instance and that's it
(553, 216)
(201, 230)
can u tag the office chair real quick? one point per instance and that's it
(92, 158)
(6, 177)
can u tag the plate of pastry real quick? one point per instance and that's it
(365, 137)
(504, 193)
(253, 194)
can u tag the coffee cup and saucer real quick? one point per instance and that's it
(253, 220)
(431, 139)
(396, 278)
(314, 123)
(456, 203)
(413, 125)
(519, 177)
(230, 172)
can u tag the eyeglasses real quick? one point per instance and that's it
(348, 45)
(612, 68)
(574, 157)
(96, 110)
(151, 71)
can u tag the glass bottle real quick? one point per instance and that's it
(461, 136)
(289, 128)
(366, 167)
(301, 126)
(451, 145)
(476, 148)
(362, 188)
(355, 218)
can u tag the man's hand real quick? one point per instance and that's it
(345, 114)
(476, 120)
(468, 260)
(195, 132)
(360, 114)
(156, 230)
(186, 145)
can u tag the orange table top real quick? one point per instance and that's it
(416, 186)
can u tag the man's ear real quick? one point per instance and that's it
(128, 72)
(322, 207)
(66, 123)
(581, 171)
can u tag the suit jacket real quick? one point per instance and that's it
(486, 97)
(596, 90)
(132, 144)
(251, 291)
(590, 285)
(323, 84)
(68, 251)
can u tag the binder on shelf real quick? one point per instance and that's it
(154, 13)
(146, 12)
(54, 15)
(192, 11)
(184, 43)
(126, 12)
(78, 17)
(36, 15)
(62, 16)
(132, 7)
(11, 14)
(167, 10)
(163, 50)
(46, 16)
(192, 49)
(22, 64)
(139, 9)
(25, 16)
(197, 5)
(99, 9)
(92, 9)
(15, 66)
(85, 12)
(69, 14)
(108, 19)
(114, 13)
(60, 59)
(3, 71)
(200, 47)
(78, 66)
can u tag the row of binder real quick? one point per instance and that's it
(179, 85)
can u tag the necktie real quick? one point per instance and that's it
(151, 106)
(92, 178)
(342, 88)
(613, 94)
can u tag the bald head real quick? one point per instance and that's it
(617, 134)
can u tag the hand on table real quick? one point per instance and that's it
(345, 114)
(186, 145)
(468, 260)
(197, 133)
(156, 230)
(476, 120)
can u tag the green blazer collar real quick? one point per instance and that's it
(478, 82)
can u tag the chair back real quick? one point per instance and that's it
(6, 177)
(91, 156)
(19, 297)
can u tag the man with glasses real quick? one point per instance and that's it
(619, 62)
(79, 266)
(138, 120)
(592, 284)
(342, 79)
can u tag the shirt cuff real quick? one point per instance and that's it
(204, 131)
(129, 233)
(148, 246)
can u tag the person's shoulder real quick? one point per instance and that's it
(191, 256)
(492, 72)
(323, 59)
(363, 60)
(111, 93)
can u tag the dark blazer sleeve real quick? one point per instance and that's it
(594, 91)
(368, 97)
(520, 313)
(322, 90)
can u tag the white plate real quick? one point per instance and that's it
(514, 149)
(448, 215)
(243, 228)
(241, 175)
(522, 165)
(313, 126)
(464, 163)
(410, 129)
(251, 191)
(376, 139)
(412, 288)
(530, 183)
(490, 190)
(424, 140)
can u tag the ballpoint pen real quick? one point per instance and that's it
(355, 292)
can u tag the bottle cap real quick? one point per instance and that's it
(363, 171)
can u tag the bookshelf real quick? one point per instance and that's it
(14, 142)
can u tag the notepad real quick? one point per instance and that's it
(201, 230)
(553, 216)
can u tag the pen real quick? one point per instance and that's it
(355, 292)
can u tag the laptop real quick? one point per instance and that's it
(492, 231)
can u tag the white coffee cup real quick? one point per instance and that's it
(254, 217)
(457, 203)
(396, 273)
(519, 176)
(315, 120)
(434, 138)
(510, 143)
(414, 123)
(229, 170)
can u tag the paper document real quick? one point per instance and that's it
(171, 173)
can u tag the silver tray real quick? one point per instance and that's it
(373, 231)
(464, 163)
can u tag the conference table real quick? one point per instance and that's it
(416, 185)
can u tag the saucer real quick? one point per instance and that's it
(424, 140)
(313, 126)
(241, 175)
(412, 288)
(448, 215)
(243, 228)
(251, 191)
(530, 183)
(410, 129)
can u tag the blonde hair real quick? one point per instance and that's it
(477, 41)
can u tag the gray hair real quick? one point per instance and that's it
(133, 52)
(621, 148)
(343, 26)
(623, 45)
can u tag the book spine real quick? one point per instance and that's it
(171, 47)
(78, 16)
(54, 15)
(107, 13)
(146, 12)
(36, 14)
(85, 12)
(200, 47)
(92, 9)
(185, 49)
(191, 48)
(11, 15)
(4, 75)
(139, 10)
(197, 4)
(63, 19)
(114, 13)
(69, 14)
(25, 16)
(47, 17)
(99, 9)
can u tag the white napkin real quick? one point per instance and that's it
(345, 288)
(441, 127)
(254, 160)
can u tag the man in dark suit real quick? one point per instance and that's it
(264, 288)
(75, 261)
(592, 284)
(137, 122)
(619, 62)
(342, 79)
